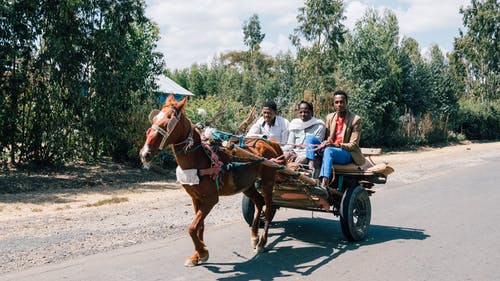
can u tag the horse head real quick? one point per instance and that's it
(168, 126)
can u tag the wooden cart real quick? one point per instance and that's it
(349, 194)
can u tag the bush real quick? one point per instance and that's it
(230, 113)
(479, 121)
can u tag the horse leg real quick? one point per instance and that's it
(202, 208)
(267, 191)
(258, 202)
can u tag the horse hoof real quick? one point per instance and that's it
(204, 258)
(259, 249)
(196, 260)
(191, 263)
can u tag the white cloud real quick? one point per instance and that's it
(273, 48)
(354, 11)
(429, 15)
(413, 15)
(427, 21)
(197, 30)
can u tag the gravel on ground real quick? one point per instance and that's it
(88, 209)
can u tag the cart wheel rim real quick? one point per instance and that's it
(355, 213)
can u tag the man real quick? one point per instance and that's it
(342, 144)
(300, 129)
(270, 124)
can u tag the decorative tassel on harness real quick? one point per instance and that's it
(215, 171)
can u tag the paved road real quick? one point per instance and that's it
(442, 228)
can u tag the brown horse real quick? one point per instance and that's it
(171, 127)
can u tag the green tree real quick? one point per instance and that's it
(196, 80)
(370, 66)
(319, 25)
(19, 31)
(75, 76)
(284, 74)
(252, 35)
(443, 98)
(415, 84)
(477, 50)
(123, 59)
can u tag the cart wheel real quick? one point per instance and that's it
(248, 210)
(355, 213)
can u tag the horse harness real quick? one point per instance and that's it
(217, 166)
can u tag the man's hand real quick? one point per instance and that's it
(327, 142)
(323, 145)
(289, 155)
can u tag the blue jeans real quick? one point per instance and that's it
(311, 139)
(331, 155)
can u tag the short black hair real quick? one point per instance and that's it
(306, 103)
(271, 104)
(341, 93)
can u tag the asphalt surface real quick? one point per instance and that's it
(441, 228)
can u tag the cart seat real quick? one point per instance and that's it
(368, 168)
(365, 169)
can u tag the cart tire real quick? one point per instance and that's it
(355, 213)
(248, 210)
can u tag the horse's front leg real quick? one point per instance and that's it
(196, 228)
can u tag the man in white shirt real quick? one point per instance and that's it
(270, 124)
(300, 130)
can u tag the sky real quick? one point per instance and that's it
(194, 31)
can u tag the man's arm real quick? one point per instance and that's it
(255, 129)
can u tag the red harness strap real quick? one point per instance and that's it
(215, 171)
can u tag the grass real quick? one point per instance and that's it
(113, 200)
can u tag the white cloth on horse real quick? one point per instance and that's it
(189, 177)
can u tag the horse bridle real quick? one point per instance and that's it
(172, 123)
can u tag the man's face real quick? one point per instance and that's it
(305, 113)
(340, 103)
(268, 114)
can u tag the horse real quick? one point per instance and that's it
(171, 126)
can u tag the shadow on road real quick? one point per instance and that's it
(324, 242)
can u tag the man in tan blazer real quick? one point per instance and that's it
(342, 144)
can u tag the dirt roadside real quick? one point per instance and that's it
(96, 208)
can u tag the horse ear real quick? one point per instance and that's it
(152, 115)
(170, 98)
(181, 104)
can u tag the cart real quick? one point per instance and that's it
(349, 194)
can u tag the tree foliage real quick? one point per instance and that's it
(370, 63)
(74, 74)
(252, 35)
(78, 77)
(477, 50)
(317, 59)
